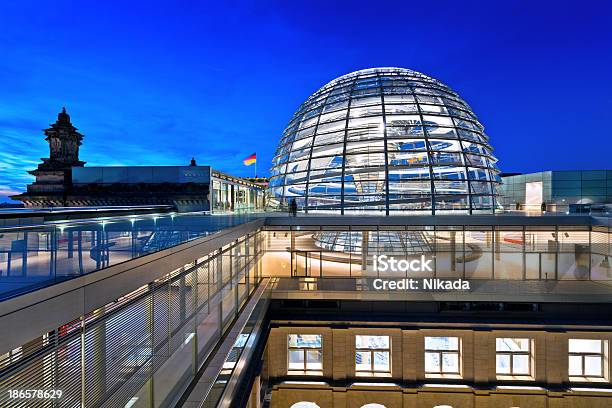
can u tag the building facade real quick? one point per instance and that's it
(63, 181)
(480, 309)
(559, 191)
(430, 366)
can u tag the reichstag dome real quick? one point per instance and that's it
(385, 141)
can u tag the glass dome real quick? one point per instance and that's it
(385, 141)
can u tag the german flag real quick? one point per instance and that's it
(252, 159)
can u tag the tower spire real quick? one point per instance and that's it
(63, 116)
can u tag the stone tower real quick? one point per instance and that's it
(54, 174)
(64, 142)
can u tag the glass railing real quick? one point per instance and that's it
(32, 257)
(161, 334)
(535, 248)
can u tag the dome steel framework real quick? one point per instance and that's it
(385, 141)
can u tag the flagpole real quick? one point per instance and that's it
(255, 165)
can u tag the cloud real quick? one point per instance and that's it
(5, 192)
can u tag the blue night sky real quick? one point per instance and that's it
(154, 83)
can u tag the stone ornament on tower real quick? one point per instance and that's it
(64, 141)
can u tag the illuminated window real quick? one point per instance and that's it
(372, 355)
(586, 358)
(442, 355)
(305, 353)
(534, 195)
(513, 356)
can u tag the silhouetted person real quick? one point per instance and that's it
(543, 207)
(293, 207)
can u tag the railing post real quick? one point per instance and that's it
(182, 300)
(151, 327)
(169, 311)
(219, 291)
(82, 355)
(233, 279)
(194, 314)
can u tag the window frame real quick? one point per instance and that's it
(441, 354)
(305, 370)
(583, 355)
(372, 371)
(512, 354)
